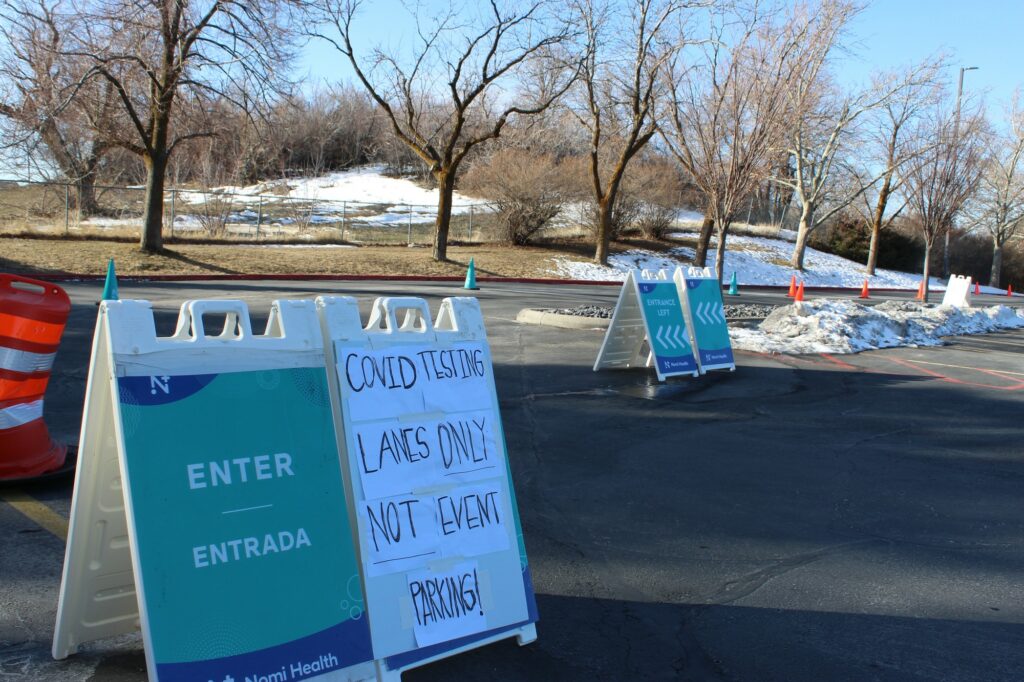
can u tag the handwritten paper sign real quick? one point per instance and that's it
(471, 520)
(435, 512)
(398, 457)
(446, 604)
(402, 533)
(413, 379)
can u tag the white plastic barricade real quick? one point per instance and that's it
(705, 316)
(649, 326)
(440, 542)
(209, 503)
(958, 292)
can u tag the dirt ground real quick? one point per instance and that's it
(89, 257)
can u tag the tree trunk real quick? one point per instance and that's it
(945, 253)
(997, 263)
(720, 254)
(927, 267)
(153, 216)
(85, 195)
(445, 189)
(876, 223)
(701, 258)
(604, 230)
(806, 217)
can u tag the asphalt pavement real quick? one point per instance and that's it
(802, 518)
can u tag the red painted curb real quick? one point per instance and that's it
(298, 277)
(71, 277)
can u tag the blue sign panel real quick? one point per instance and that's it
(248, 568)
(709, 326)
(666, 327)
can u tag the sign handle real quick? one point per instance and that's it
(191, 326)
(385, 310)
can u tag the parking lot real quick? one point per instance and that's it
(802, 518)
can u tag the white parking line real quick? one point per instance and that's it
(939, 364)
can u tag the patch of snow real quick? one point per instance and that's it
(100, 221)
(297, 246)
(687, 216)
(364, 185)
(843, 326)
(620, 264)
(391, 217)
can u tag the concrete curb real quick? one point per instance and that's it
(532, 316)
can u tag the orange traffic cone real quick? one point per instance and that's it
(792, 287)
(864, 290)
(977, 289)
(799, 292)
(920, 292)
(32, 317)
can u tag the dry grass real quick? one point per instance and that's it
(56, 256)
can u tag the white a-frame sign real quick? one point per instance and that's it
(439, 536)
(649, 327)
(209, 505)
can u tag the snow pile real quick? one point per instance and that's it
(840, 326)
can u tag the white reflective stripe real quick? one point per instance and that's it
(24, 361)
(16, 415)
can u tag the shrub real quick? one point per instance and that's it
(526, 188)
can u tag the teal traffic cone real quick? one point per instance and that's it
(471, 276)
(734, 290)
(110, 286)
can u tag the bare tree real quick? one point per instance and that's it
(945, 167)
(163, 55)
(728, 110)
(888, 136)
(999, 204)
(473, 56)
(824, 132)
(620, 85)
(37, 91)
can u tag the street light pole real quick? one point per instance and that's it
(956, 154)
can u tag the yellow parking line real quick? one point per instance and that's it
(37, 511)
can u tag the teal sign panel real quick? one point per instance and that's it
(248, 569)
(666, 327)
(709, 326)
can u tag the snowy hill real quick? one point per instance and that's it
(755, 260)
(366, 197)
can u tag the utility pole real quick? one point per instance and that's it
(956, 155)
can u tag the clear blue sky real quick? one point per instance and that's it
(887, 34)
(982, 33)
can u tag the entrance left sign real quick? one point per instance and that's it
(209, 507)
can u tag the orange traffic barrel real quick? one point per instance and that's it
(32, 319)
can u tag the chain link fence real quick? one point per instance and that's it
(51, 207)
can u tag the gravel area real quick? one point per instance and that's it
(740, 310)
